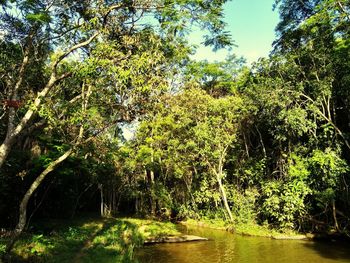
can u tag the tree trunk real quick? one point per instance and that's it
(150, 182)
(23, 206)
(102, 212)
(223, 195)
(11, 137)
(13, 93)
(78, 200)
(336, 226)
(22, 221)
(24, 203)
(219, 175)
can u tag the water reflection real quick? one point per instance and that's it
(225, 247)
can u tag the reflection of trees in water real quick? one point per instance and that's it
(226, 247)
(335, 250)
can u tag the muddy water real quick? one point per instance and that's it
(227, 247)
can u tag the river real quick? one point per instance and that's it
(226, 247)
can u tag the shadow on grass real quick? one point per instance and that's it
(93, 240)
(114, 242)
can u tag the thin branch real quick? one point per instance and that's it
(342, 9)
(61, 34)
(75, 47)
(109, 10)
(324, 116)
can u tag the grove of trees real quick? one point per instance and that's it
(266, 144)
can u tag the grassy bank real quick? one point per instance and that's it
(249, 229)
(109, 240)
(87, 240)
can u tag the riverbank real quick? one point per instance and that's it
(247, 229)
(87, 240)
(255, 230)
(114, 239)
(226, 247)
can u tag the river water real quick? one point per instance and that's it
(226, 247)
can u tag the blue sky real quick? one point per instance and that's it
(251, 24)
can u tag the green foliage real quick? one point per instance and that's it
(207, 193)
(274, 137)
(40, 244)
(284, 200)
(252, 172)
(40, 17)
(244, 204)
(218, 78)
(327, 169)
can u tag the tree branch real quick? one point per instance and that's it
(73, 48)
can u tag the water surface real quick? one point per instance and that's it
(226, 247)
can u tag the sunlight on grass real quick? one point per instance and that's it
(149, 228)
(101, 240)
(247, 228)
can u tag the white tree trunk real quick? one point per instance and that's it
(219, 175)
(223, 196)
(102, 204)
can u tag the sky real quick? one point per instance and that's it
(251, 24)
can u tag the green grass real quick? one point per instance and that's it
(87, 240)
(210, 223)
(250, 229)
(108, 240)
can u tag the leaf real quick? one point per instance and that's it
(39, 17)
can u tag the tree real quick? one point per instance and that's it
(61, 29)
(97, 54)
(188, 138)
(218, 78)
(216, 134)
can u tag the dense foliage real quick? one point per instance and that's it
(267, 144)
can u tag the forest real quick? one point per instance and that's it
(104, 112)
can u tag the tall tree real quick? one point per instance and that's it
(52, 31)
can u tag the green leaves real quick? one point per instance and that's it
(177, 17)
(39, 17)
(217, 78)
(284, 202)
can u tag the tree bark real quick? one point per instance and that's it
(78, 199)
(22, 221)
(224, 198)
(335, 216)
(13, 92)
(261, 142)
(150, 181)
(219, 175)
(102, 204)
